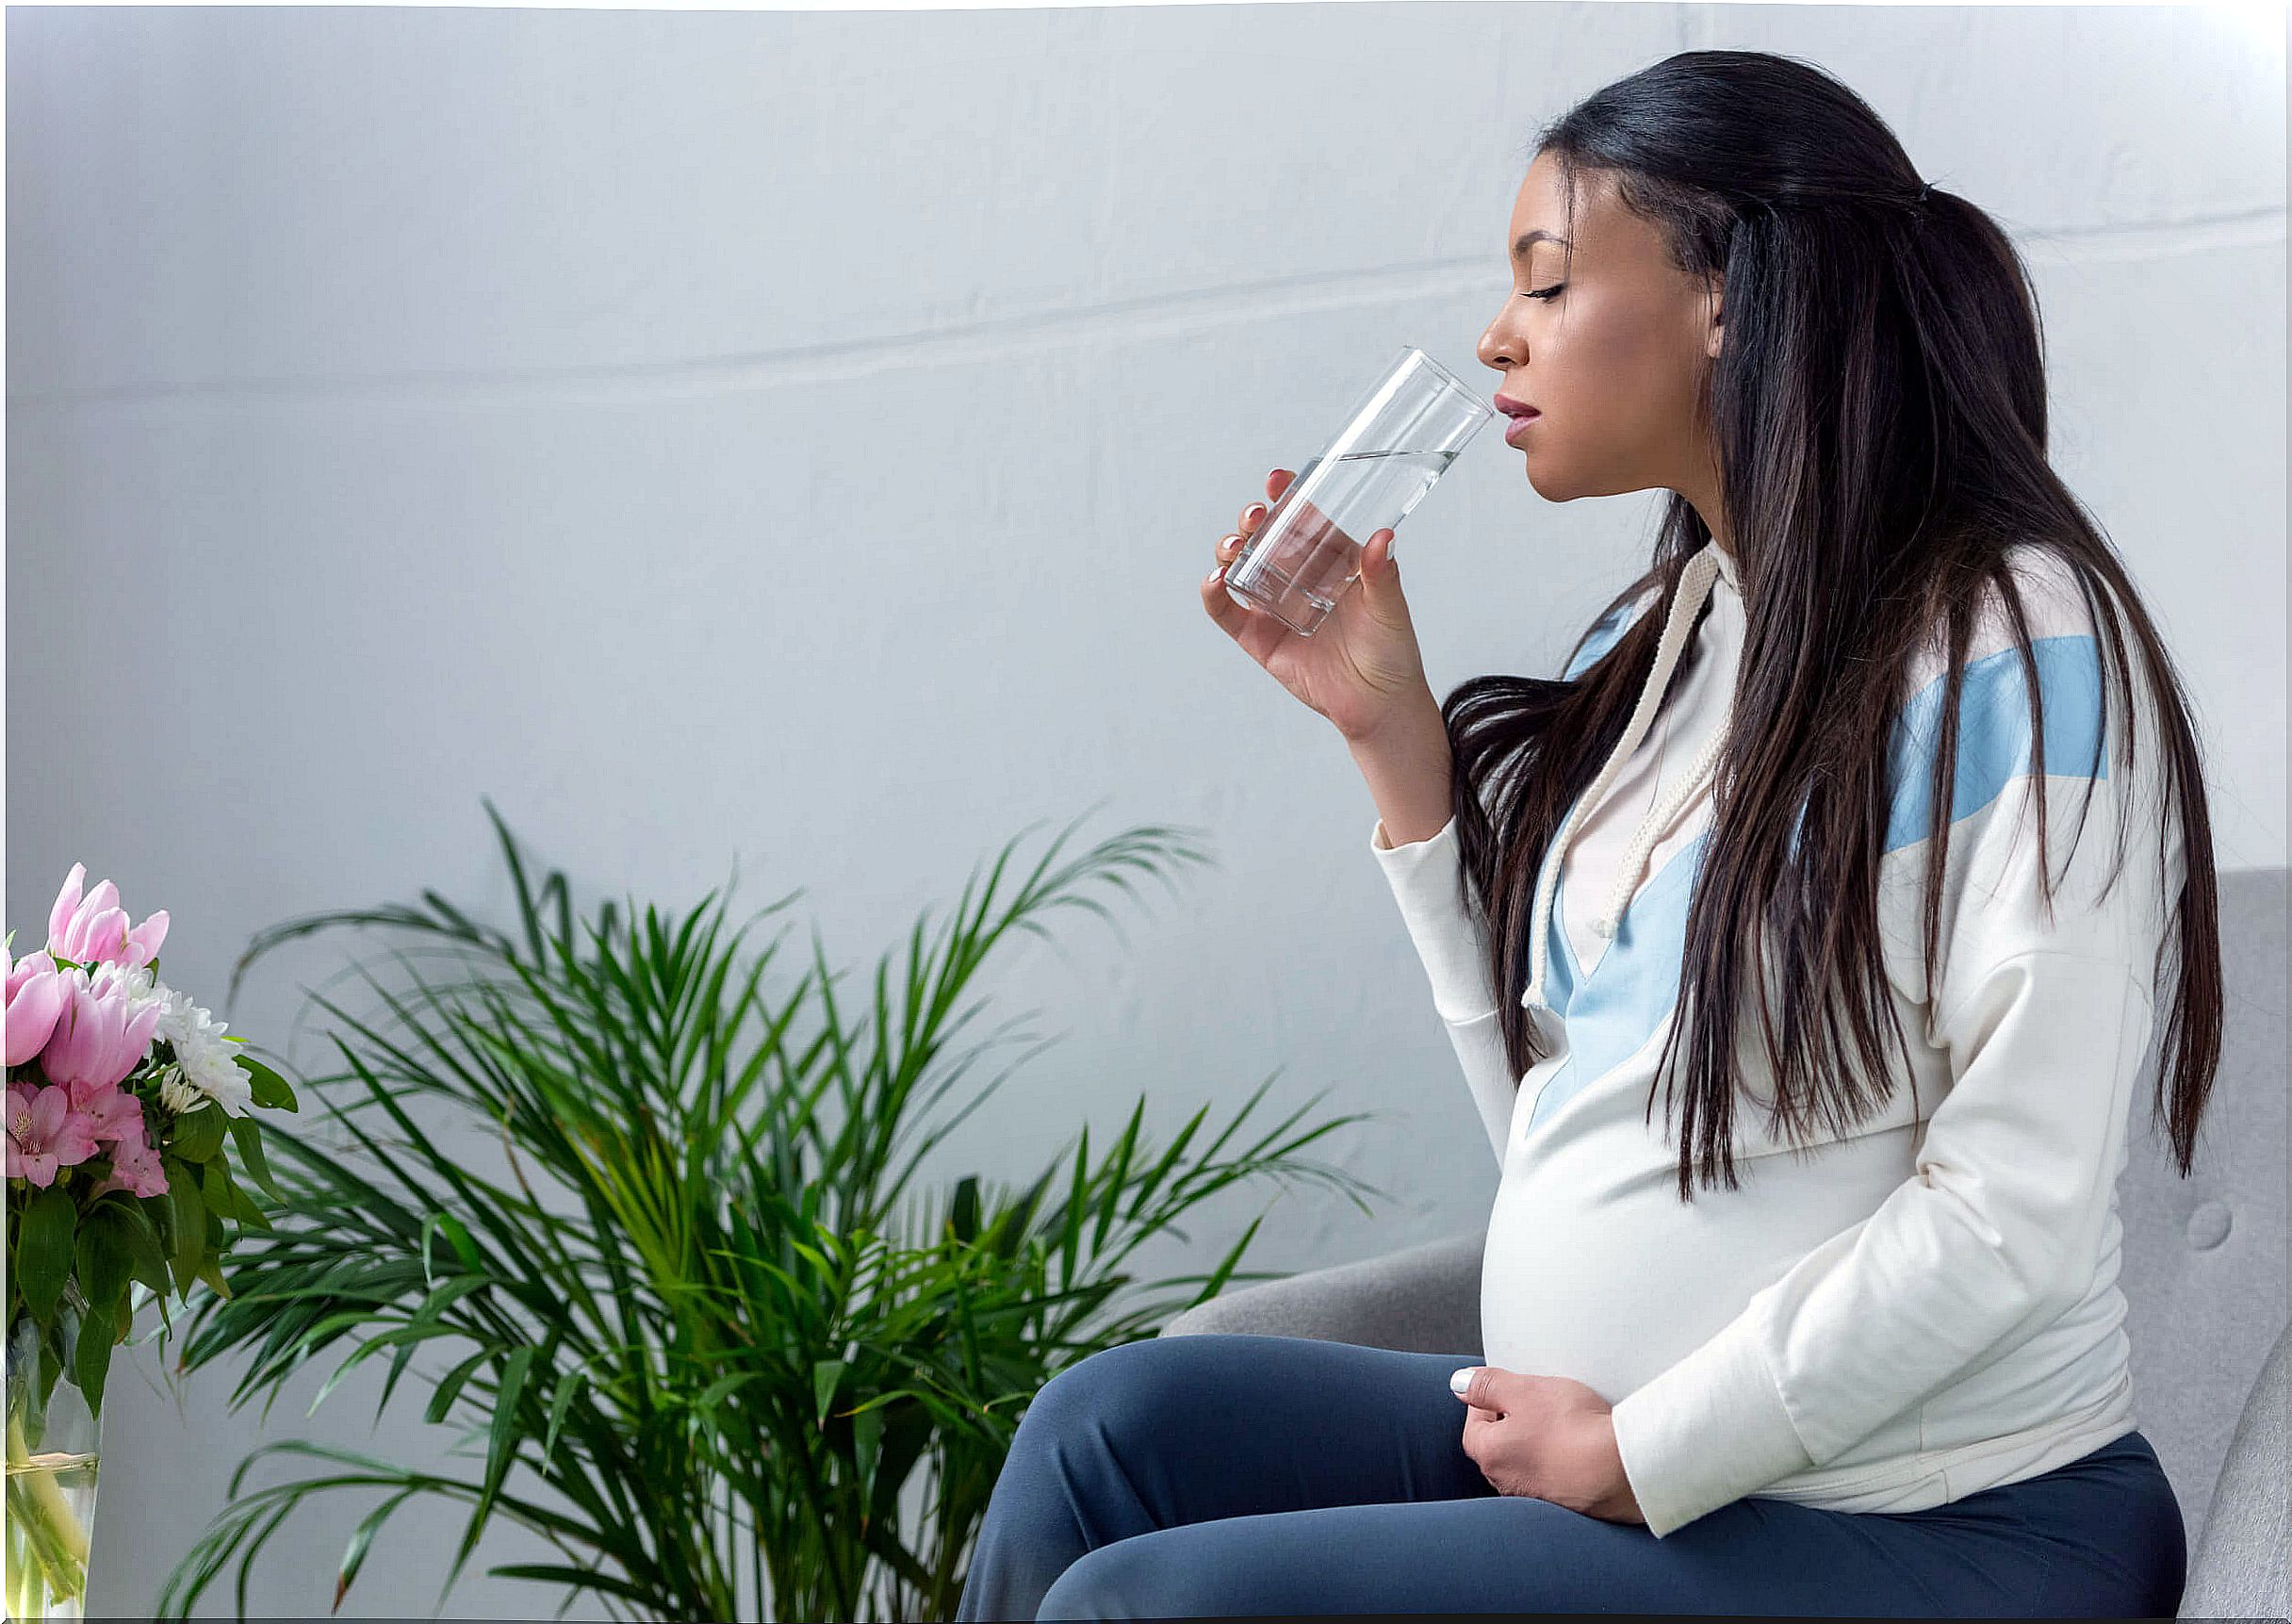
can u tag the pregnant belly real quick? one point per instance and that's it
(1594, 1270)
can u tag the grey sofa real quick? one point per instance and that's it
(2203, 1275)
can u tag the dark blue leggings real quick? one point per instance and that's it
(1226, 1475)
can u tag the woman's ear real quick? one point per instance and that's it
(1716, 305)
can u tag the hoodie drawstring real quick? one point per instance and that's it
(1695, 586)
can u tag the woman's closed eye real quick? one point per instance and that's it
(1543, 292)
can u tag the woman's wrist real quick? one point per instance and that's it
(1407, 765)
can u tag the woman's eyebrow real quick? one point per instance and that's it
(1539, 235)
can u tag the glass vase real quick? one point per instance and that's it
(50, 1514)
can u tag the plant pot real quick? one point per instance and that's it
(50, 1513)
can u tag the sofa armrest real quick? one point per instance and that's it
(1422, 1298)
(2238, 1569)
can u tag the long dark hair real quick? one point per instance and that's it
(1879, 414)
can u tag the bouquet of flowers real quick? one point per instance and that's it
(123, 1101)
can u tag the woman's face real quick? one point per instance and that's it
(1611, 346)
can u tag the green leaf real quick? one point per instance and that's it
(106, 1254)
(566, 1386)
(450, 1386)
(199, 1133)
(222, 1195)
(91, 1359)
(565, 1577)
(457, 1233)
(265, 1087)
(248, 1138)
(499, 1448)
(251, 1212)
(354, 1554)
(141, 1231)
(188, 1214)
(963, 1221)
(867, 1434)
(466, 1248)
(825, 1374)
(211, 1273)
(43, 1260)
(215, 1188)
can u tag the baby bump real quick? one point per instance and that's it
(1594, 1270)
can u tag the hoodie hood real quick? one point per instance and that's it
(1710, 566)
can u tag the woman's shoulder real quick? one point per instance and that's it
(2053, 604)
(2001, 724)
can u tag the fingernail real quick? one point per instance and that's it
(1462, 1379)
(1256, 510)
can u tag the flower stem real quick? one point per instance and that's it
(51, 1530)
(45, 1571)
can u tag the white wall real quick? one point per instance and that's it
(801, 436)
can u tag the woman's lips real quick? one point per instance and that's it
(1513, 429)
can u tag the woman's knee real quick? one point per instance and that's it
(1118, 1581)
(1141, 1383)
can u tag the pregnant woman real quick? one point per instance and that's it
(1800, 945)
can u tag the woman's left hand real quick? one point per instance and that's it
(1550, 1439)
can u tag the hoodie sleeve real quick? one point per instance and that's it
(2044, 1018)
(1451, 940)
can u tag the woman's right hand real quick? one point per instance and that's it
(1361, 667)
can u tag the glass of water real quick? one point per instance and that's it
(1401, 435)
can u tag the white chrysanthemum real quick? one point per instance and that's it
(177, 1094)
(204, 1067)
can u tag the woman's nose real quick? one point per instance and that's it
(1491, 348)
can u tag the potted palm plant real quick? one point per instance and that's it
(701, 1329)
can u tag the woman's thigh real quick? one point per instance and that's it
(2085, 1540)
(1173, 1430)
(1229, 1424)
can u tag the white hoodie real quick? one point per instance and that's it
(1923, 1306)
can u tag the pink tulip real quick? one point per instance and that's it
(44, 1133)
(95, 928)
(97, 1041)
(37, 993)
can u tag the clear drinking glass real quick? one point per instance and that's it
(1401, 435)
